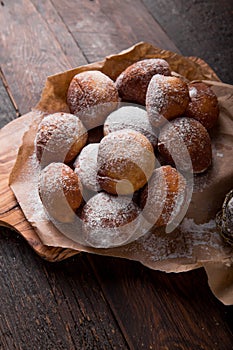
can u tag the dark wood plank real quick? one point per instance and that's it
(29, 52)
(106, 27)
(159, 311)
(199, 28)
(8, 111)
(51, 306)
(63, 36)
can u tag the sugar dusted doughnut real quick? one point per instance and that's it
(86, 166)
(185, 134)
(203, 105)
(132, 83)
(167, 97)
(92, 95)
(60, 191)
(130, 117)
(60, 137)
(125, 161)
(109, 221)
(164, 196)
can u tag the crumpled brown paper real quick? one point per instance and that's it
(195, 242)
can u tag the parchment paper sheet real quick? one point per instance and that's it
(195, 242)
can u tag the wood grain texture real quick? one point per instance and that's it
(60, 31)
(106, 27)
(29, 52)
(175, 311)
(48, 307)
(7, 108)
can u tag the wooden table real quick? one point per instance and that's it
(88, 301)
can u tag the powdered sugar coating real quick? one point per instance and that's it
(130, 117)
(86, 166)
(192, 92)
(125, 161)
(110, 221)
(203, 105)
(60, 137)
(92, 95)
(60, 191)
(132, 83)
(190, 133)
(166, 98)
(191, 241)
(162, 199)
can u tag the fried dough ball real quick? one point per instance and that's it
(167, 98)
(125, 161)
(60, 137)
(162, 199)
(182, 138)
(60, 191)
(203, 105)
(109, 221)
(132, 83)
(92, 95)
(86, 166)
(130, 117)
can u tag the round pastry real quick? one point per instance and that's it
(164, 196)
(185, 140)
(132, 83)
(203, 105)
(60, 191)
(60, 137)
(125, 161)
(109, 221)
(167, 97)
(92, 95)
(130, 117)
(86, 166)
